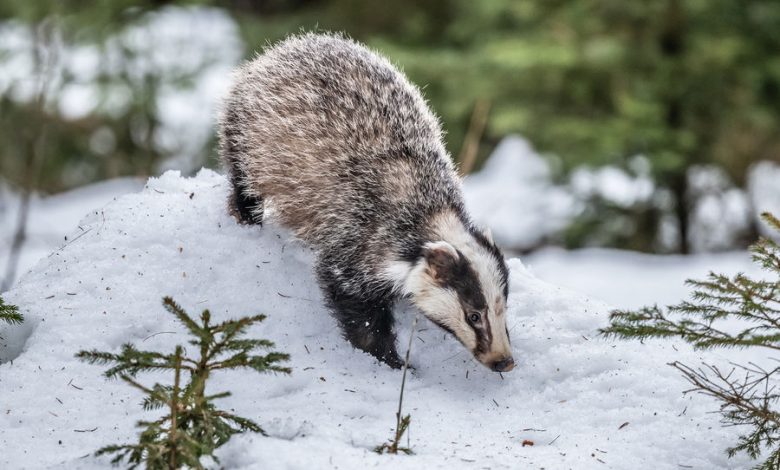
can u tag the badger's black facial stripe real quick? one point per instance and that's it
(486, 338)
(496, 254)
(462, 278)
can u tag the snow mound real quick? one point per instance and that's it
(514, 195)
(51, 218)
(584, 402)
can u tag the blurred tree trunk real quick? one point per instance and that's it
(44, 55)
(679, 187)
(20, 235)
(467, 158)
(672, 44)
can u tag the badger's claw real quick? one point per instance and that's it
(392, 360)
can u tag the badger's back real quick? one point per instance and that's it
(337, 140)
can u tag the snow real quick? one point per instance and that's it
(628, 279)
(515, 197)
(613, 184)
(52, 218)
(763, 178)
(721, 215)
(571, 393)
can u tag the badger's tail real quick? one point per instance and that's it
(246, 205)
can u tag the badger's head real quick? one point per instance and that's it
(460, 283)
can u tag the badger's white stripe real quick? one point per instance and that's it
(398, 272)
(442, 305)
(450, 229)
(442, 245)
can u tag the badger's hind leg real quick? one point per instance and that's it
(248, 209)
(367, 323)
(245, 205)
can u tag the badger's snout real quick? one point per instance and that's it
(504, 365)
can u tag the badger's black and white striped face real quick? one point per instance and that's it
(461, 285)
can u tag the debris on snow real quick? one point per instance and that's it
(571, 387)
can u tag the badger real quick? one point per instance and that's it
(346, 153)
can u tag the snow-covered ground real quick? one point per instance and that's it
(585, 402)
(53, 218)
(628, 279)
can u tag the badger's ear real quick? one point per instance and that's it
(488, 234)
(441, 258)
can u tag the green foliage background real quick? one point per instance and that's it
(589, 82)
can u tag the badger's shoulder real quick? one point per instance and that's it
(331, 92)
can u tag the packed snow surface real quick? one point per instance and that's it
(629, 279)
(52, 218)
(584, 402)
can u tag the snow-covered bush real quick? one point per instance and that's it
(514, 195)
(622, 208)
(763, 183)
(125, 98)
(720, 216)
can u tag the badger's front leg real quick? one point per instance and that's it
(367, 321)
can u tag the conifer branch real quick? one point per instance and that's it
(192, 427)
(10, 313)
(747, 394)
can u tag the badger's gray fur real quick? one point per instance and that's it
(348, 155)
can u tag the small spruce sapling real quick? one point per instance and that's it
(748, 394)
(10, 313)
(192, 426)
(402, 422)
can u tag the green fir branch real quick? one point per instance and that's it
(175, 309)
(10, 313)
(747, 394)
(130, 361)
(193, 426)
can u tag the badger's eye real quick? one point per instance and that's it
(475, 317)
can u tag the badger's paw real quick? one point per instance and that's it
(393, 360)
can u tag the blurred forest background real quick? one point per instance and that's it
(661, 119)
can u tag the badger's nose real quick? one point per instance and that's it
(504, 365)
